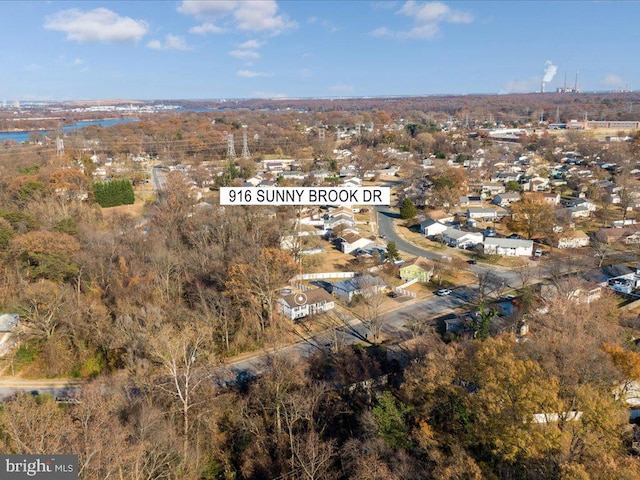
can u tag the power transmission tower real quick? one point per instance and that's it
(358, 129)
(321, 133)
(59, 146)
(245, 145)
(231, 150)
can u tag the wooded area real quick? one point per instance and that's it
(148, 309)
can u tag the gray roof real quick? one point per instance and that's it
(357, 283)
(508, 242)
(458, 234)
(9, 321)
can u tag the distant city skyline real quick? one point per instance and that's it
(56, 51)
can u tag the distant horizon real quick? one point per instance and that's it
(362, 97)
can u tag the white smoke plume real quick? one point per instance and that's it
(549, 71)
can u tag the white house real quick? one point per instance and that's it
(352, 242)
(298, 305)
(584, 203)
(504, 199)
(485, 213)
(431, 227)
(509, 247)
(573, 239)
(460, 239)
(580, 211)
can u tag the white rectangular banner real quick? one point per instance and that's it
(305, 196)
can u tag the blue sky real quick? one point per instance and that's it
(243, 49)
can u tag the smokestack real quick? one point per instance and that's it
(564, 90)
(542, 87)
(575, 87)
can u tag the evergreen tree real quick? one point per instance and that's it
(114, 193)
(408, 210)
(392, 254)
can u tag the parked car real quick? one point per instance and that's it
(443, 292)
(472, 261)
(393, 294)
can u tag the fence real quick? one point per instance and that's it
(323, 275)
(403, 291)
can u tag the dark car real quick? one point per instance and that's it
(472, 261)
(393, 294)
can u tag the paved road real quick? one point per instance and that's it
(351, 331)
(55, 388)
(386, 228)
(159, 179)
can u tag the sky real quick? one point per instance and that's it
(146, 50)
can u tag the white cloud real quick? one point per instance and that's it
(260, 16)
(248, 15)
(251, 74)
(98, 25)
(205, 28)
(306, 73)
(247, 50)
(155, 44)
(427, 18)
(249, 44)
(171, 42)
(614, 81)
(207, 8)
(244, 54)
(32, 66)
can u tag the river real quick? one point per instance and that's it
(23, 136)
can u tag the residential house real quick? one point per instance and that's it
(333, 220)
(299, 305)
(431, 227)
(417, 267)
(475, 213)
(618, 277)
(8, 323)
(461, 239)
(351, 242)
(582, 202)
(493, 188)
(352, 182)
(579, 212)
(470, 201)
(551, 198)
(633, 238)
(506, 199)
(359, 285)
(537, 184)
(612, 235)
(509, 247)
(573, 239)
(506, 177)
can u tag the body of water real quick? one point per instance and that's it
(23, 136)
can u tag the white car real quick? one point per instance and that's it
(443, 292)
